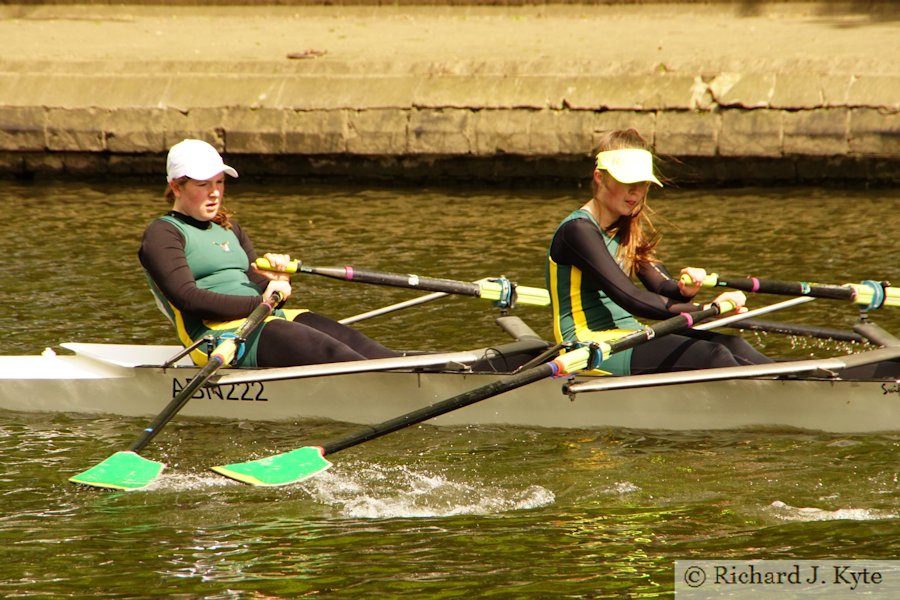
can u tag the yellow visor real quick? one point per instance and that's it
(630, 165)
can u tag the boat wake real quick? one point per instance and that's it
(787, 512)
(377, 492)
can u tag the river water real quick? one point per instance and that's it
(503, 512)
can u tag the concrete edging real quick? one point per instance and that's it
(432, 116)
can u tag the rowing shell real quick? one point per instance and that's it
(127, 380)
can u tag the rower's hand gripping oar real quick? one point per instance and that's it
(501, 291)
(297, 465)
(127, 470)
(871, 295)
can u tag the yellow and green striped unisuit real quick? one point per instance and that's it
(582, 312)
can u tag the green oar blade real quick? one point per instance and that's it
(280, 469)
(124, 470)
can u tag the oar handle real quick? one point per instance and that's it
(871, 294)
(264, 264)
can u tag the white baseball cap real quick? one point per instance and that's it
(195, 159)
(629, 165)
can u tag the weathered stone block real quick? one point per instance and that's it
(135, 130)
(463, 92)
(534, 92)
(315, 132)
(673, 92)
(808, 91)
(356, 93)
(490, 92)
(875, 91)
(22, 128)
(118, 91)
(820, 132)
(377, 92)
(687, 133)
(446, 131)
(206, 124)
(702, 94)
(255, 131)
(87, 90)
(749, 90)
(751, 133)
(31, 89)
(188, 91)
(560, 132)
(874, 132)
(77, 129)
(622, 92)
(501, 132)
(378, 131)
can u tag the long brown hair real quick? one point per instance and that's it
(638, 237)
(222, 217)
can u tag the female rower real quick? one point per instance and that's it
(596, 250)
(201, 267)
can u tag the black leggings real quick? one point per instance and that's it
(694, 350)
(313, 339)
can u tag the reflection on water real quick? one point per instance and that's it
(427, 511)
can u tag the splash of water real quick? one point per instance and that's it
(375, 492)
(787, 512)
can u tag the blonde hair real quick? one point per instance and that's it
(222, 217)
(638, 237)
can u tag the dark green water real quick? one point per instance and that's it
(428, 512)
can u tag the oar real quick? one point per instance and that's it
(297, 465)
(812, 331)
(127, 470)
(503, 292)
(837, 363)
(742, 317)
(393, 307)
(871, 294)
(744, 321)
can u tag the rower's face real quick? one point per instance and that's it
(200, 199)
(624, 199)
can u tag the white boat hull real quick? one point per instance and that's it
(104, 385)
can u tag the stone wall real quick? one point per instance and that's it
(473, 128)
(326, 120)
